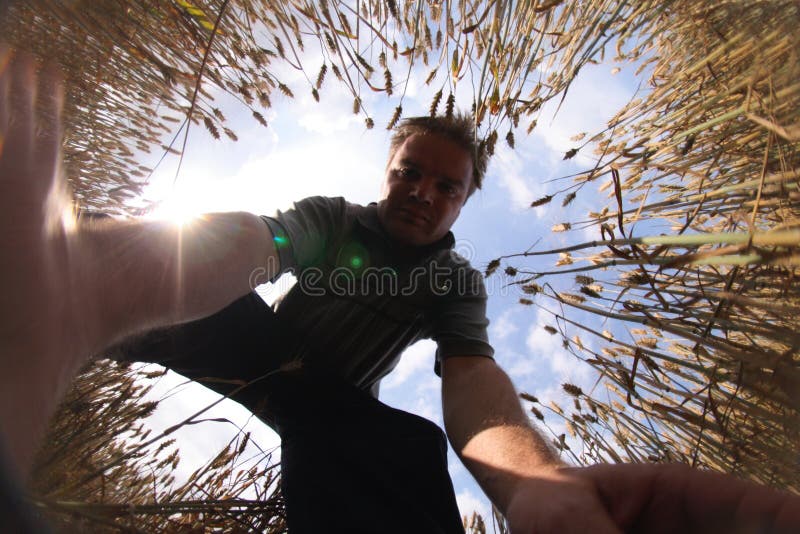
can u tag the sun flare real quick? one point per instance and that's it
(176, 210)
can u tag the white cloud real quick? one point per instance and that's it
(416, 358)
(503, 326)
(326, 122)
(592, 100)
(412, 386)
(425, 400)
(468, 503)
(547, 349)
(330, 116)
(264, 183)
(591, 233)
(333, 168)
(455, 467)
(427, 408)
(508, 168)
(523, 366)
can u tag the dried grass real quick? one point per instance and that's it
(99, 470)
(709, 373)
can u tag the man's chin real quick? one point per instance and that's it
(410, 235)
(420, 242)
(408, 231)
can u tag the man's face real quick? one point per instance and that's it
(427, 182)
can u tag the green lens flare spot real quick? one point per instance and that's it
(353, 256)
(280, 241)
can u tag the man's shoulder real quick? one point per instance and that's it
(321, 201)
(325, 211)
(335, 205)
(451, 257)
(463, 279)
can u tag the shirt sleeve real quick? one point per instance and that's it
(459, 324)
(302, 233)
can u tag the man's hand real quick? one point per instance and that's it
(34, 237)
(68, 290)
(538, 494)
(557, 501)
(677, 498)
(648, 499)
(40, 304)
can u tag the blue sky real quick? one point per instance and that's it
(314, 148)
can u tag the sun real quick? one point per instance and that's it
(177, 209)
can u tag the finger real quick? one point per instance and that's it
(624, 490)
(48, 127)
(589, 518)
(22, 94)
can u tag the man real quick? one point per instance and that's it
(372, 280)
(107, 282)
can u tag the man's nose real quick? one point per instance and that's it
(422, 190)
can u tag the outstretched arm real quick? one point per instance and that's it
(513, 464)
(539, 494)
(70, 290)
(142, 274)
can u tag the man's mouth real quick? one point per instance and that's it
(416, 216)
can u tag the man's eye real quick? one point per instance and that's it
(407, 173)
(447, 188)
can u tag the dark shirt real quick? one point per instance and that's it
(361, 298)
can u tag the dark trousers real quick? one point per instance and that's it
(349, 462)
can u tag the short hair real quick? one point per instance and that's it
(457, 127)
